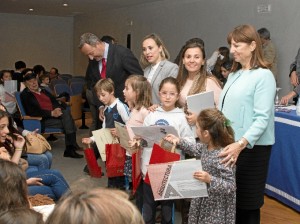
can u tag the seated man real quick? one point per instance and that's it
(40, 103)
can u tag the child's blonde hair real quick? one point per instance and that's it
(218, 126)
(105, 85)
(142, 88)
(98, 205)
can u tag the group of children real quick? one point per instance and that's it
(214, 133)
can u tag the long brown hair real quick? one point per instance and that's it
(13, 188)
(217, 125)
(142, 87)
(247, 34)
(199, 83)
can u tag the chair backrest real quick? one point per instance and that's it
(76, 88)
(76, 79)
(19, 104)
(57, 81)
(65, 77)
(60, 88)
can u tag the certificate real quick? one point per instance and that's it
(175, 180)
(153, 134)
(103, 137)
(123, 136)
(196, 103)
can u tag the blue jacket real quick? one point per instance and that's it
(249, 105)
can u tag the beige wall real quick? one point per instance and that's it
(41, 40)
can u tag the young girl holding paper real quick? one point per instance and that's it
(137, 94)
(166, 114)
(214, 132)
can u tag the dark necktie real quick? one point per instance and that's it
(103, 71)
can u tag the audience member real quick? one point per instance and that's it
(225, 70)
(155, 57)
(39, 70)
(294, 78)
(247, 100)
(46, 182)
(215, 61)
(8, 102)
(17, 75)
(106, 61)
(108, 39)
(269, 51)
(98, 205)
(40, 103)
(53, 73)
(21, 216)
(13, 184)
(44, 80)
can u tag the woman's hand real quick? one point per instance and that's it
(153, 107)
(202, 176)
(191, 118)
(230, 153)
(34, 181)
(172, 138)
(19, 142)
(285, 99)
(294, 79)
(114, 132)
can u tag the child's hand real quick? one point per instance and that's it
(4, 154)
(191, 118)
(86, 141)
(34, 181)
(114, 132)
(153, 107)
(172, 138)
(202, 176)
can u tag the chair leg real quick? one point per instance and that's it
(83, 126)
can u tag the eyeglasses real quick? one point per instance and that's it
(166, 94)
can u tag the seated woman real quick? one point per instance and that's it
(46, 182)
(35, 161)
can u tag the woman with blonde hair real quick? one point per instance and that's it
(155, 60)
(98, 205)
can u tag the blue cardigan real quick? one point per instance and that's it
(249, 105)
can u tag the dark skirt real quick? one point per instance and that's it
(251, 175)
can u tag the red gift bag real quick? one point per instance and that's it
(159, 155)
(136, 170)
(115, 160)
(94, 168)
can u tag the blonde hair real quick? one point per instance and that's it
(247, 34)
(105, 85)
(164, 53)
(98, 205)
(142, 87)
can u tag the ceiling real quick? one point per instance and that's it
(56, 8)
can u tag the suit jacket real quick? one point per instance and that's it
(32, 106)
(120, 64)
(164, 70)
(247, 100)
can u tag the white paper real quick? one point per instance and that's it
(175, 180)
(196, 103)
(153, 134)
(102, 137)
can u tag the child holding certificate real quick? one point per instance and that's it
(114, 110)
(137, 94)
(166, 114)
(214, 132)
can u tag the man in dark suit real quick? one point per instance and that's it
(119, 63)
(40, 103)
(17, 75)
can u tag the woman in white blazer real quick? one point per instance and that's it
(154, 59)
